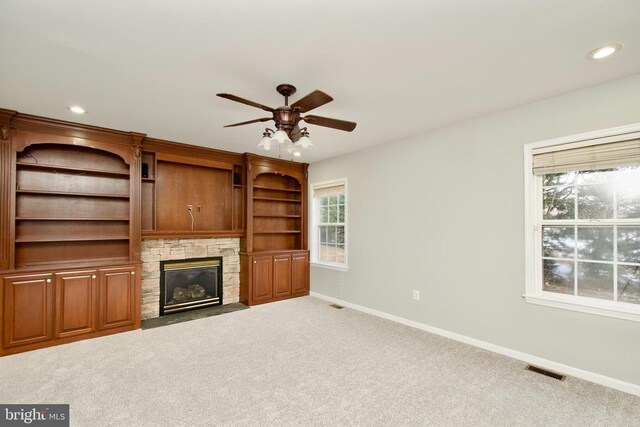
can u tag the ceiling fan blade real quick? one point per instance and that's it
(264, 119)
(330, 123)
(244, 101)
(311, 101)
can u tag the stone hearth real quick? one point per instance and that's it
(156, 250)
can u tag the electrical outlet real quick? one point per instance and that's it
(199, 208)
(189, 207)
(416, 295)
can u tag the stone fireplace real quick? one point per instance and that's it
(155, 251)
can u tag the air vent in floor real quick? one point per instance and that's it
(339, 307)
(549, 374)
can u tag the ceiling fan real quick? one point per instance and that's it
(288, 117)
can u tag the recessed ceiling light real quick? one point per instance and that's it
(604, 51)
(77, 109)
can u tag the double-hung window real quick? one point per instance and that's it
(583, 223)
(329, 224)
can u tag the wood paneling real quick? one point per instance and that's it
(207, 190)
(27, 309)
(76, 303)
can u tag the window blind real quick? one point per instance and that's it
(328, 190)
(591, 157)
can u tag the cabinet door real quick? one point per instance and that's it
(117, 297)
(281, 275)
(28, 309)
(76, 299)
(262, 278)
(300, 274)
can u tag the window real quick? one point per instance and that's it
(329, 223)
(583, 223)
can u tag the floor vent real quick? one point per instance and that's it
(339, 307)
(544, 372)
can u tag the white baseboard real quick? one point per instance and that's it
(525, 357)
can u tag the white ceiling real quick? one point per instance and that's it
(397, 68)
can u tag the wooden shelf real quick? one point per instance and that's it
(148, 180)
(104, 218)
(69, 239)
(237, 185)
(274, 199)
(91, 263)
(74, 169)
(75, 194)
(289, 190)
(278, 232)
(277, 216)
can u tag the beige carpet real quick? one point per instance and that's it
(300, 362)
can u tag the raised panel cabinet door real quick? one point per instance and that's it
(262, 278)
(281, 275)
(28, 309)
(117, 297)
(299, 274)
(76, 303)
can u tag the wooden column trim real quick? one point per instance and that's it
(135, 205)
(6, 117)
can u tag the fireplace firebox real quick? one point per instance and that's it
(190, 284)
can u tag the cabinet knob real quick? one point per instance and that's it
(48, 280)
(93, 277)
(133, 273)
(255, 262)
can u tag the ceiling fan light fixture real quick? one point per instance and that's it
(281, 137)
(304, 141)
(265, 142)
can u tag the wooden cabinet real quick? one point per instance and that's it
(76, 299)
(274, 276)
(300, 273)
(262, 278)
(117, 297)
(281, 275)
(28, 309)
(274, 262)
(43, 309)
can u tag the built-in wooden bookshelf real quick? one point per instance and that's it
(72, 204)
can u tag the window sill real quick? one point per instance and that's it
(329, 266)
(587, 305)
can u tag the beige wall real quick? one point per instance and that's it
(443, 212)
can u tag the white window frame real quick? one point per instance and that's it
(315, 218)
(533, 234)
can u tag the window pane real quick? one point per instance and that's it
(629, 244)
(595, 243)
(558, 242)
(324, 201)
(331, 236)
(341, 213)
(558, 203)
(629, 200)
(333, 200)
(333, 214)
(341, 198)
(340, 254)
(595, 201)
(340, 237)
(557, 276)
(565, 178)
(594, 176)
(629, 284)
(323, 234)
(595, 280)
(324, 214)
(324, 249)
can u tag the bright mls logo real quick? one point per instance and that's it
(34, 415)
